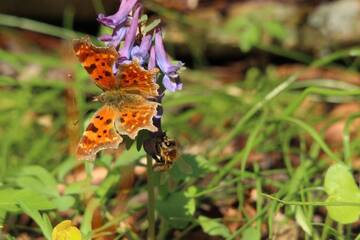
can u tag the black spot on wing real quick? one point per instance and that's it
(90, 68)
(92, 128)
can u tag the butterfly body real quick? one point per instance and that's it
(119, 98)
(127, 99)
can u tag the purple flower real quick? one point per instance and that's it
(171, 80)
(141, 52)
(124, 52)
(117, 36)
(172, 83)
(152, 59)
(120, 17)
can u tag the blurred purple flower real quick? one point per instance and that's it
(124, 52)
(120, 17)
(141, 52)
(171, 80)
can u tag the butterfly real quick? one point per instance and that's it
(128, 99)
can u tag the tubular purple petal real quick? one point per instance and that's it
(152, 58)
(142, 52)
(120, 16)
(171, 80)
(124, 52)
(105, 38)
(170, 85)
(162, 59)
(117, 36)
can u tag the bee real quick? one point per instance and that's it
(166, 153)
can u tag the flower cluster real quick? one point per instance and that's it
(147, 48)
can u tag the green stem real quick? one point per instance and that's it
(310, 203)
(151, 199)
(326, 228)
(35, 26)
(346, 138)
(163, 229)
(340, 228)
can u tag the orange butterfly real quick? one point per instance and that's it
(127, 99)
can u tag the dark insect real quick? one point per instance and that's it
(166, 152)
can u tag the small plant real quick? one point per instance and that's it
(340, 185)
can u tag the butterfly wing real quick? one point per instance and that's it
(135, 79)
(136, 114)
(100, 133)
(98, 62)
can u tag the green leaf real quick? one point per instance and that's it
(343, 214)
(191, 205)
(187, 166)
(249, 37)
(79, 187)
(129, 156)
(64, 203)
(152, 25)
(106, 160)
(34, 184)
(297, 179)
(251, 233)
(275, 29)
(174, 209)
(144, 18)
(10, 198)
(233, 25)
(38, 179)
(89, 212)
(339, 180)
(204, 165)
(340, 185)
(41, 173)
(191, 192)
(7, 200)
(107, 184)
(42, 221)
(65, 167)
(213, 227)
(89, 168)
(302, 221)
(2, 216)
(33, 199)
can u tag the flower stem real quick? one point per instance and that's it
(151, 199)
